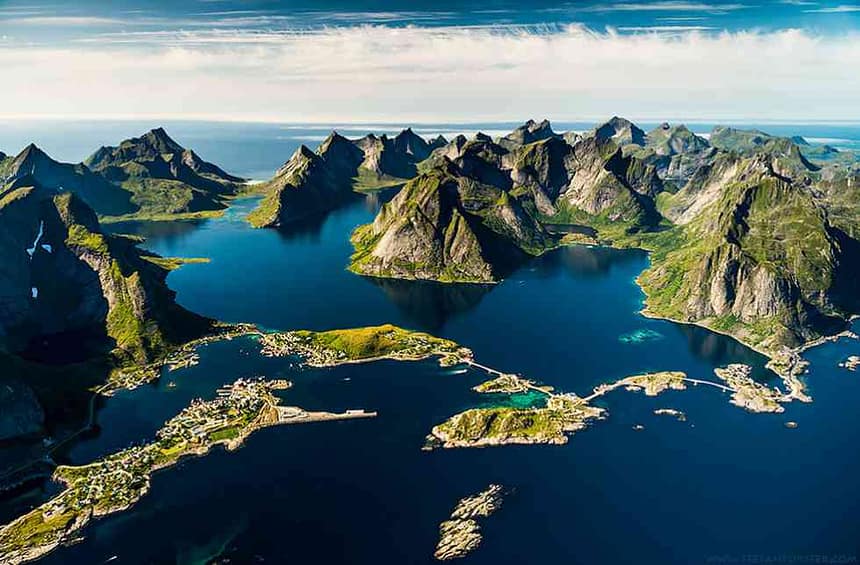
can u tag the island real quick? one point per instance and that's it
(116, 482)
(851, 363)
(362, 345)
(677, 414)
(749, 394)
(510, 384)
(563, 414)
(460, 534)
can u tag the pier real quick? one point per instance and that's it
(294, 415)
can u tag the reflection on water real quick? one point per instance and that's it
(210, 550)
(310, 228)
(166, 231)
(583, 260)
(571, 228)
(307, 228)
(720, 350)
(430, 304)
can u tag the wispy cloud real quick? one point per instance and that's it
(666, 6)
(843, 9)
(62, 21)
(413, 74)
(681, 19)
(663, 29)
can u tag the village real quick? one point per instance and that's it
(116, 482)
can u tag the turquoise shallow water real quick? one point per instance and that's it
(724, 486)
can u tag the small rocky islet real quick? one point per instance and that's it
(460, 534)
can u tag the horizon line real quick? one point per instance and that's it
(23, 118)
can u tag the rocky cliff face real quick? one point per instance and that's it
(151, 174)
(34, 165)
(20, 411)
(309, 183)
(757, 256)
(394, 158)
(162, 177)
(620, 131)
(476, 211)
(67, 288)
(592, 176)
(529, 132)
(446, 225)
(667, 140)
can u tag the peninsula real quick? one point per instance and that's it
(362, 345)
(118, 481)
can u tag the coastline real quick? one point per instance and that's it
(118, 481)
(797, 366)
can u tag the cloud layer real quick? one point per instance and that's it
(379, 73)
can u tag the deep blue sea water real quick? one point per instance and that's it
(726, 486)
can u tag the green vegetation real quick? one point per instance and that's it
(136, 337)
(163, 217)
(224, 434)
(448, 227)
(502, 425)
(79, 236)
(362, 344)
(162, 179)
(173, 263)
(369, 181)
(266, 212)
(509, 384)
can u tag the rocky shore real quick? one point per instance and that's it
(748, 393)
(677, 414)
(133, 376)
(851, 363)
(461, 533)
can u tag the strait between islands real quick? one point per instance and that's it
(116, 482)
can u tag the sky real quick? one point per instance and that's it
(383, 61)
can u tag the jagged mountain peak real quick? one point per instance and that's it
(413, 144)
(158, 139)
(331, 139)
(667, 139)
(438, 141)
(620, 130)
(304, 152)
(529, 132)
(32, 151)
